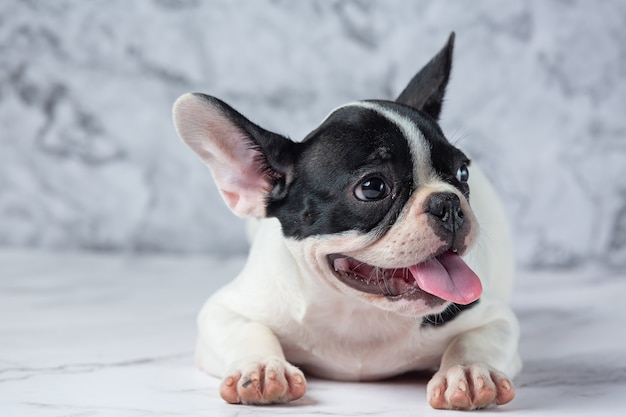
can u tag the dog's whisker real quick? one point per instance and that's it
(387, 288)
(457, 140)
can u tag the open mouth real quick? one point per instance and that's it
(445, 276)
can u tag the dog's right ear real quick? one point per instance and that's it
(426, 90)
(249, 164)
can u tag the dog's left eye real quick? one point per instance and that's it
(371, 189)
(462, 174)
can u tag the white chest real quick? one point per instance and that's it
(352, 344)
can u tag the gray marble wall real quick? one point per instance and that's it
(89, 157)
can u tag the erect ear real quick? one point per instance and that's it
(249, 164)
(426, 90)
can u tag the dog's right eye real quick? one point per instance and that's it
(372, 189)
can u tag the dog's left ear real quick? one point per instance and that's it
(249, 164)
(426, 90)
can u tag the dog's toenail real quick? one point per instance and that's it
(480, 383)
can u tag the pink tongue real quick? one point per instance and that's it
(448, 277)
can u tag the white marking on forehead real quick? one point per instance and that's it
(420, 151)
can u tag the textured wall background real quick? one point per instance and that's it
(89, 157)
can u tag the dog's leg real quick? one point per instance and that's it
(474, 368)
(248, 357)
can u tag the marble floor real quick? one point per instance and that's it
(112, 335)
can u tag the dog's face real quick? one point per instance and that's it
(379, 208)
(374, 201)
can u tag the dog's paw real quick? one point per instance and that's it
(268, 381)
(469, 388)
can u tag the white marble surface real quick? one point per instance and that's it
(112, 335)
(89, 157)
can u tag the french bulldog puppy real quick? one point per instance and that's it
(369, 260)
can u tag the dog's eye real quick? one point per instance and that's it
(462, 174)
(371, 189)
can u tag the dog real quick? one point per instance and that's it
(367, 260)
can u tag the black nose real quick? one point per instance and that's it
(446, 207)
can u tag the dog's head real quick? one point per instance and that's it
(374, 201)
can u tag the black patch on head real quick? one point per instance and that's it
(351, 145)
(449, 314)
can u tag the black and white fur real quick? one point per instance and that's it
(374, 190)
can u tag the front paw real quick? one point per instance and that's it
(468, 388)
(268, 381)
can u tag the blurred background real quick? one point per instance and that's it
(89, 158)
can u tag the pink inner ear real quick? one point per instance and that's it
(226, 150)
(243, 187)
(231, 198)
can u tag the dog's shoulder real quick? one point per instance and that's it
(269, 288)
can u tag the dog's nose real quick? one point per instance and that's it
(446, 207)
